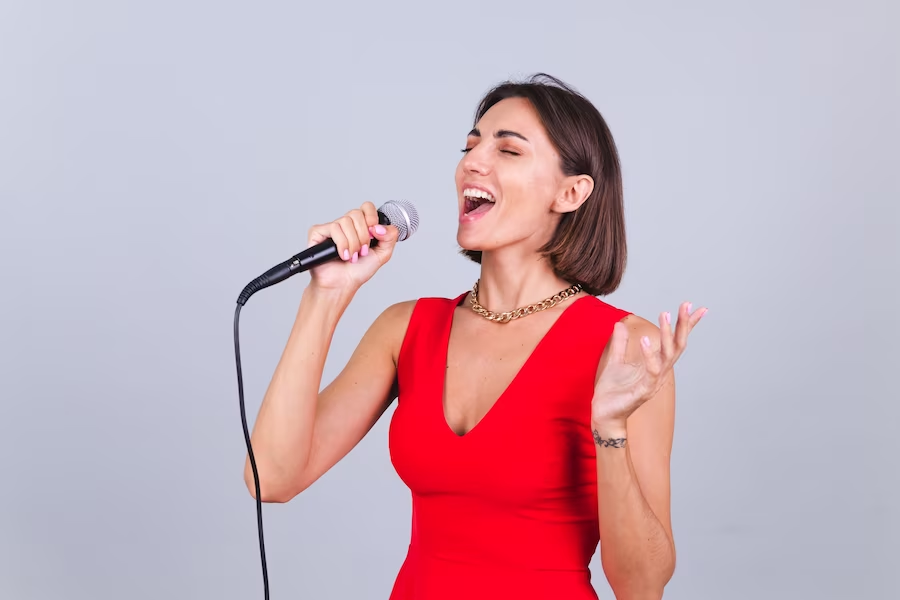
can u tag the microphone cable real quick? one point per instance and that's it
(240, 379)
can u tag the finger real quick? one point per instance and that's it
(682, 327)
(371, 213)
(387, 236)
(348, 228)
(686, 322)
(336, 233)
(666, 337)
(698, 314)
(617, 343)
(362, 230)
(652, 358)
(318, 234)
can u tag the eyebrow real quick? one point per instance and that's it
(502, 133)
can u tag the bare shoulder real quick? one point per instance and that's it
(390, 326)
(639, 327)
(398, 313)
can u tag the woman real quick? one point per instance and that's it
(534, 421)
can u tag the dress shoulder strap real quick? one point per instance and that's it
(429, 322)
(605, 315)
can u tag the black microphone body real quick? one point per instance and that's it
(327, 250)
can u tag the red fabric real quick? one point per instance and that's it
(508, 510)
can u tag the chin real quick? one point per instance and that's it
(465, 245)
(467, 241)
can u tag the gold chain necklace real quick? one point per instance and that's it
(506, 317)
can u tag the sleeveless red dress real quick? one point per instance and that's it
(508, 510)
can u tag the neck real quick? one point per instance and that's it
(511, 279)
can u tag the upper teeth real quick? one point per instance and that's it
(473, 193)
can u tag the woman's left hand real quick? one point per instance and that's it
(624, 386)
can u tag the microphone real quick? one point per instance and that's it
(399, 213)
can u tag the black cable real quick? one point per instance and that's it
(240, 377)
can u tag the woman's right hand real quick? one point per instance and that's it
(357, 262)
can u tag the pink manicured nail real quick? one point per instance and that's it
(346, 254)
(668, 318)
(690, 307)
(380, 230)
(364, 250)
(355, 257)
(645, 341)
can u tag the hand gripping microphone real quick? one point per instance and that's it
(400, 213)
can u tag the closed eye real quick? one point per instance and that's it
(511, 152)
(502, 133)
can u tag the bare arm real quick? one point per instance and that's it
(633, 421)
(349, 407)
(637, 548)
(299, 432)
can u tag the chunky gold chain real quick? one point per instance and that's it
(506, 317)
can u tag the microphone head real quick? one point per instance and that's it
(402, 215)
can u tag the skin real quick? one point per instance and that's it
(300, 432)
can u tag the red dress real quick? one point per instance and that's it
(508, 510)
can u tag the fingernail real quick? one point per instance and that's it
(645, 341)
(346, 254)
(364, 250)
(355, 257)
(380, 230)
(703, 314)
(668, 318)
(690, 307)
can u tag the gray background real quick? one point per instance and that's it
(156, 156)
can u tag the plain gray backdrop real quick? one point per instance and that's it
(157, 156)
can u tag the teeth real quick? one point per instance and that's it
(473, 193)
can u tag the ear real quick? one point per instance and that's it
(573, 192)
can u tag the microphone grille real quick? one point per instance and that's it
(402, 215)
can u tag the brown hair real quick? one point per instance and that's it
(588, 246)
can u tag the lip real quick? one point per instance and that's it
(463, 217)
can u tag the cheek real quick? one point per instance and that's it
(545, 182)
(458, 174)
(533, 193)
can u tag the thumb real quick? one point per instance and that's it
(617, 343)
(387, 238)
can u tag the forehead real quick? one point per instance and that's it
(517, 114)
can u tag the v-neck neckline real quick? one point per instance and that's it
(445, 354)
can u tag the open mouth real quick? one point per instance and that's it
(477, 201)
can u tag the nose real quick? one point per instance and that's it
(476, 161)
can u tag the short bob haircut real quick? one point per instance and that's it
(588, 246)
